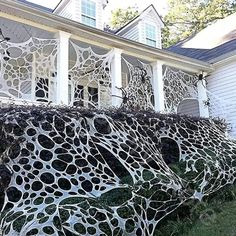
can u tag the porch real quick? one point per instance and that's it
(52, 60)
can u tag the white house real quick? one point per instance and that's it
(65, 57)
(89, 12)
(145, 28)
(216, 44)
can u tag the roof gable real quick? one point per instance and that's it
(152, 10)
(149, 10)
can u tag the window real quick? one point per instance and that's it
(89, 13)
(79, 96)
(93, 95)
(42, 89)
(151, 35)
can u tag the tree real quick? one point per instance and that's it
(122, 16)
(187, 17)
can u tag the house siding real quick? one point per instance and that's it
(67, 11)
(73, 11)
(100, 23)
(222, 84)
(132, 33)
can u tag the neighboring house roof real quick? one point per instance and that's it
(141, 16)
(212, 42)
(40, 7)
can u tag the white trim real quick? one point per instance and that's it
(158, 86)
(202, 98)
(62, 97)
(61, 6)
(140, 38)
(33, 77)
(224, 59)
(116, 77)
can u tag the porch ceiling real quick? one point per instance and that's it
(22, 13)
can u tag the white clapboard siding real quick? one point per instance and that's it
(67, 10)
(222, 83)
(72, 10)
(132, 33)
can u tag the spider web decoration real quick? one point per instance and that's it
(27, 69)
(90, 78)
(69, 171)
(217, 106)
(178, 85)
(139, 91)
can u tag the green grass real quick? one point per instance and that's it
(215, 216)
(216, 224)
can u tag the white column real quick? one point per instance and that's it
(62, 68)
(116, 78)
(158, 86)
(33, 79)
(202, 98)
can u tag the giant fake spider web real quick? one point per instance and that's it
(138, 89)
(77, 172)
(90, 78)
(178, 85)
(27, 70)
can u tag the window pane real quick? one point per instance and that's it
(150, 35)
(89, 8)
(150, 31)
(88, 21)
(93, 95)
(151, 42)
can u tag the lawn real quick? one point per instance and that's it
(216, 216)
(217, 224)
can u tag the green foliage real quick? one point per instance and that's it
(122, 16)
(213, 216)
(186, 17)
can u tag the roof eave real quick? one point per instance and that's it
(224, 59)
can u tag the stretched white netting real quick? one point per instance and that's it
(90, 78)
(69, 171)
(178, 85)
(137, 89)
(28, 69)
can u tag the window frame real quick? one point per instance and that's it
(87, 16)
(149, 39)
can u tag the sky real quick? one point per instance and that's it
(160, 5)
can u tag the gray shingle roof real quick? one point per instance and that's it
(34, 5)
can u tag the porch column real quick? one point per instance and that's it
(202, 98)
(116, 78)
(33, 79)
(62, 69)
(158, 86)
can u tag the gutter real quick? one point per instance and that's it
(97, 37)
(224, 59)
